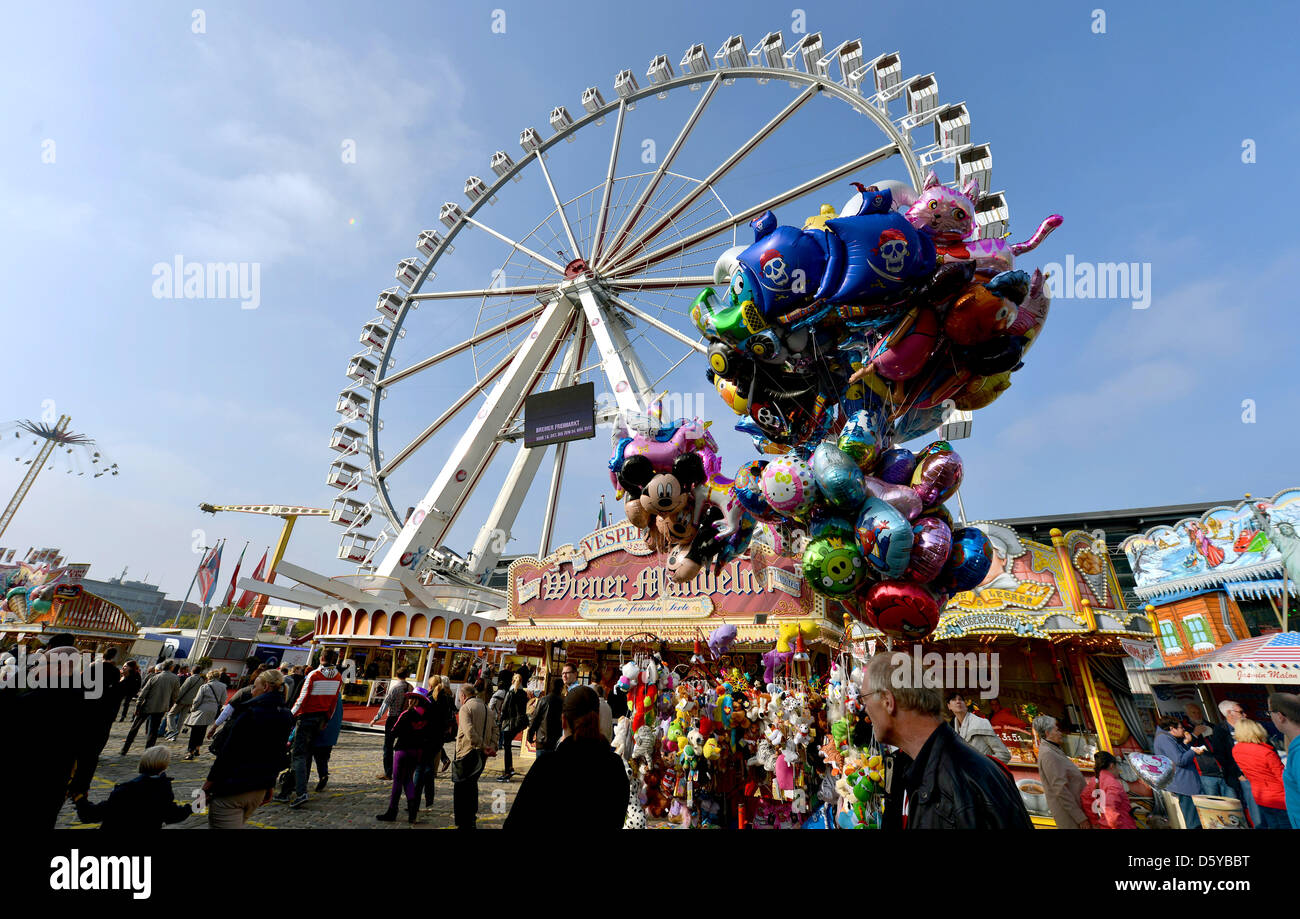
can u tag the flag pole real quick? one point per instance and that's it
(194, 580)
(198, 649)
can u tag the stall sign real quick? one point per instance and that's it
(611, 575)
(1141, 651)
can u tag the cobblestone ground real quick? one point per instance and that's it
(354, 796)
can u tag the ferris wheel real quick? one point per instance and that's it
(591, 274)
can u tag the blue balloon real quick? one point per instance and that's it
(838, 478)
(896, 466)
(749, 491)
(967, 564)
(885, 537)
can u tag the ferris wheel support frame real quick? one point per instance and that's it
(496, 530)
(426, 529)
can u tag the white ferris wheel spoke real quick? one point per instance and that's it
(405, 452)
(726, 166)
(749, 213)
(603, 220)
(639, 207)
(555, 266)
(661, 326)
(559, 208)
(660, 283)
(485, 335)
(524, 291)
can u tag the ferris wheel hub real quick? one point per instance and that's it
(575, 268)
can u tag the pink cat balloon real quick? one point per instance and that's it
(948, 218)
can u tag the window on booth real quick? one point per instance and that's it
(1198, 633)
(1169, 636)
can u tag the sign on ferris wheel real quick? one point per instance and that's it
(560, 415)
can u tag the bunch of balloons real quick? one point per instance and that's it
(890, 308)
(841, 339)
(876, 534)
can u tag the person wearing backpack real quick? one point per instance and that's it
(546, 725)
(514, 718)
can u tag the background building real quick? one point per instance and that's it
(139, 599)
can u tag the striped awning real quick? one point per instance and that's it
(673, 632)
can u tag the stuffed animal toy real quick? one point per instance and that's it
(643, 744)
(711, 749)
(787, 631)
(645, 694)
(635, 819)
(721, 639)
(628, 681)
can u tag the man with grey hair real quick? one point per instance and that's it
(1222, 740)
(938, 781)
(1063, 783)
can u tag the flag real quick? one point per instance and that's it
(230, 591)
(208, 572)
(602, 519)
(246, 599)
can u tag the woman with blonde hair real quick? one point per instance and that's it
(1261, 766)
(513, 719)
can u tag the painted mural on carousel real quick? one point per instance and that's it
(1025, 591)
(1255, 539)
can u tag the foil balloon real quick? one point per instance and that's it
(788, 486)
(931, 543)
(968, 562)
(749, 491)
(902, 353)
(896, 466)
(857, 440)
(903, 610)
(885, 537)
(832, 565)
(938, 473)
(903, 498)
(839, 481)
(941, 512)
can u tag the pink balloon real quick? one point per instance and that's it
(931, 544)
(902, 498)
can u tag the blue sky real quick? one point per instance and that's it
(225, 146)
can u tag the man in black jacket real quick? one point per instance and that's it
(940, 781)
(582, 785)
(99, 712)
(251, 751)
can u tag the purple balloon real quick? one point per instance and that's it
(896, 466)
(937, 477)
(901, 498)
(931, 543)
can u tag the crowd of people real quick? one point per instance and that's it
(941, 773)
